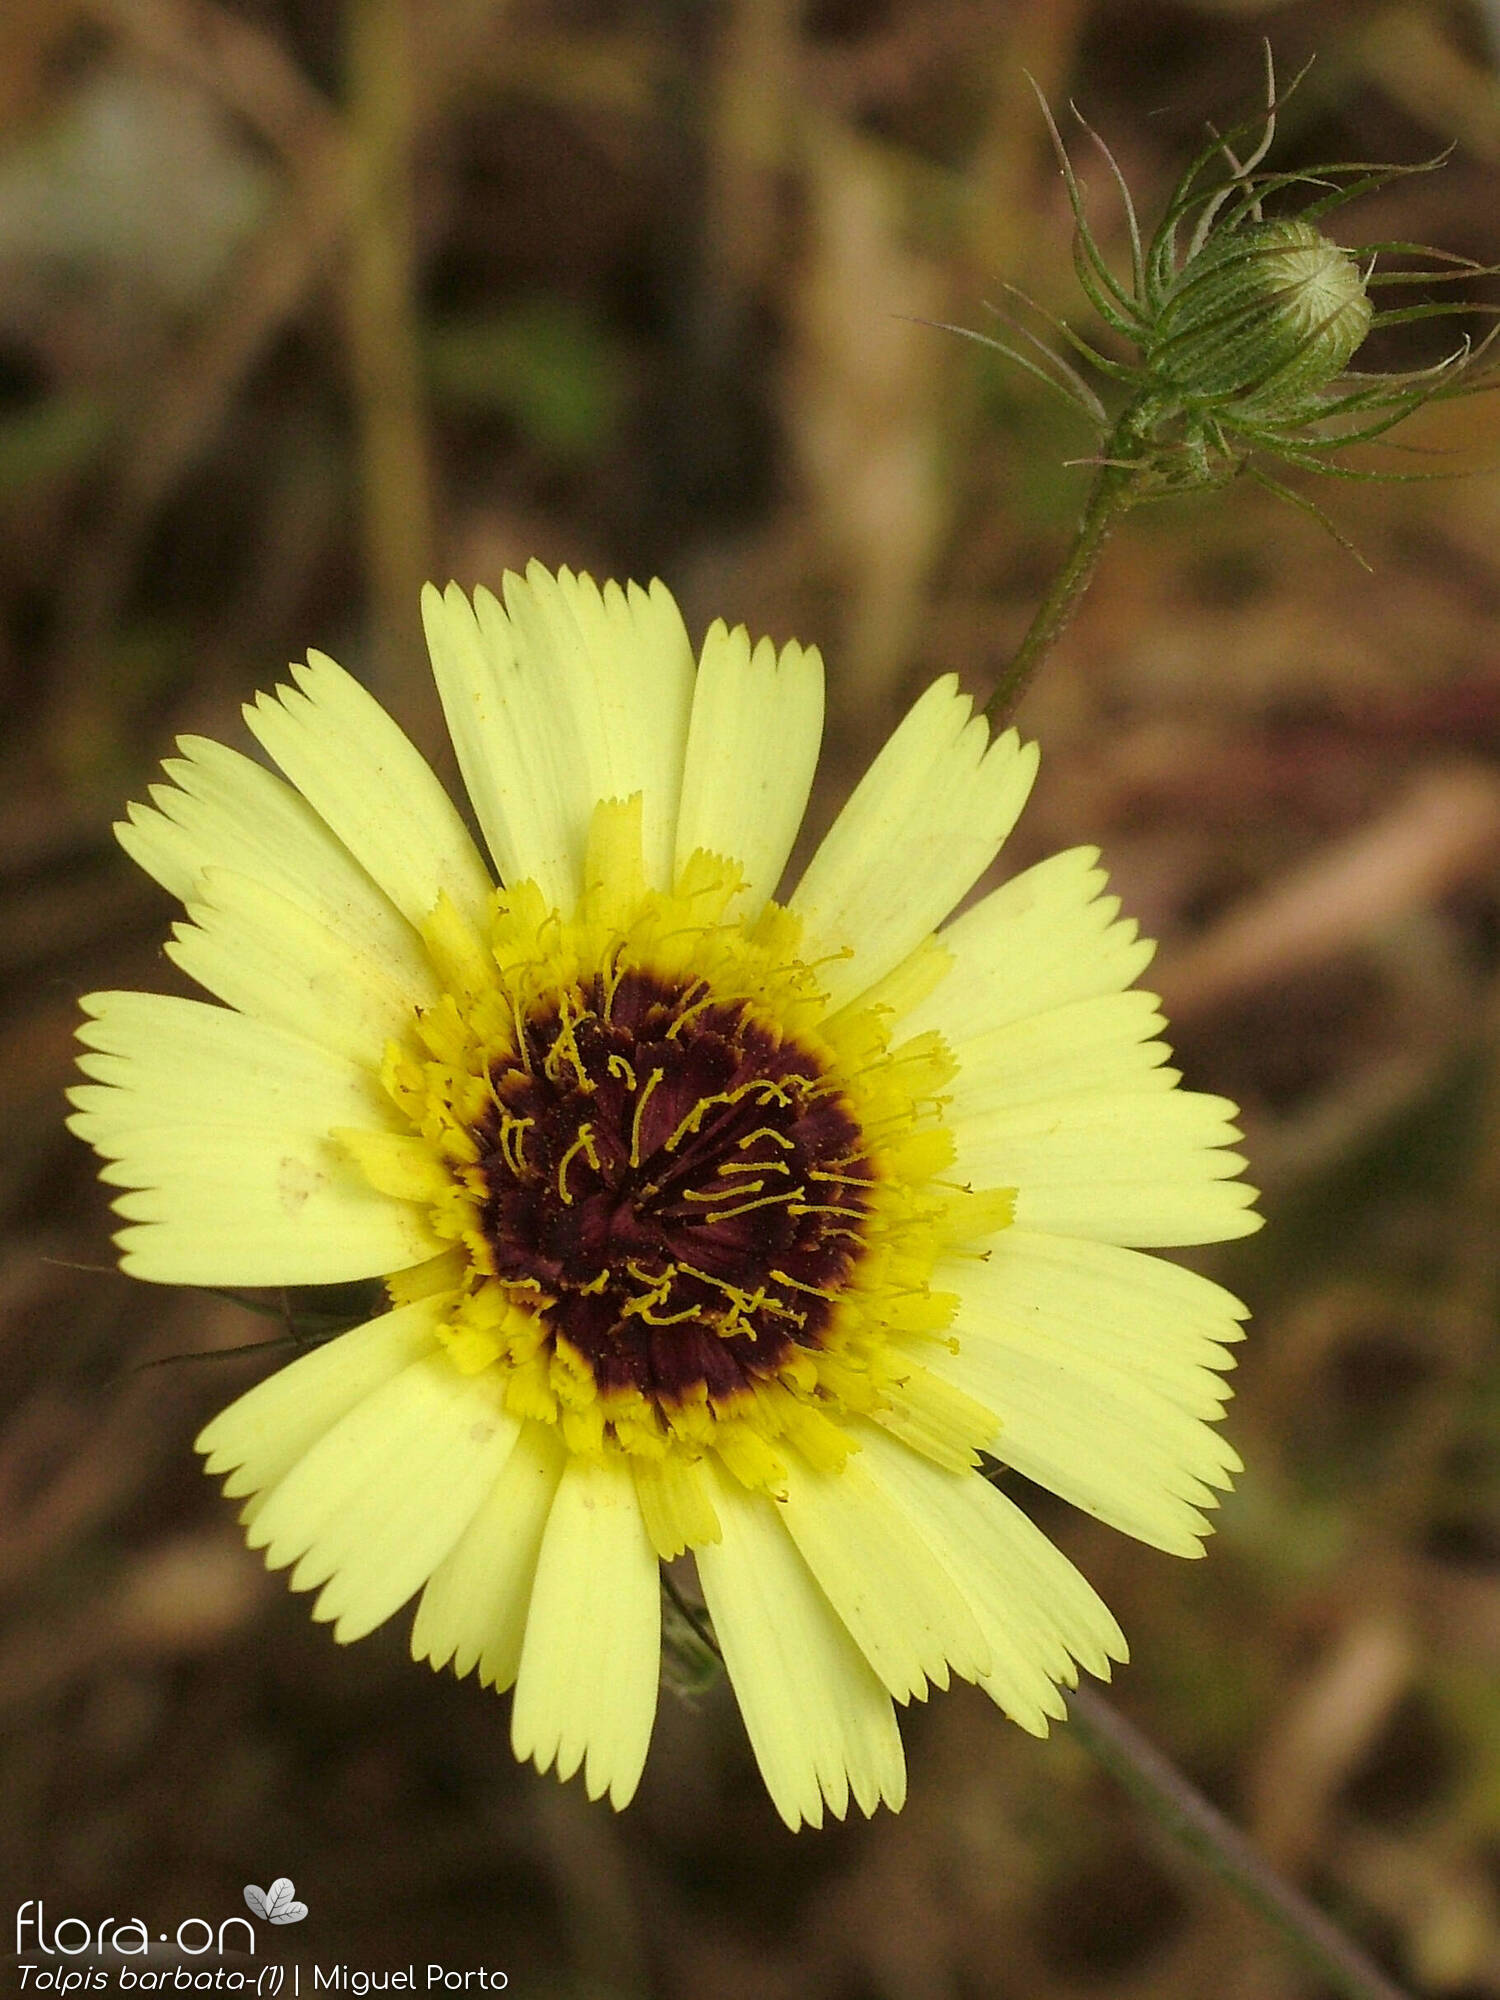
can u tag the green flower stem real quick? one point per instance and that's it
(1202, 1831)
(1125, 476)
(1186, 1816)
(1114, 490)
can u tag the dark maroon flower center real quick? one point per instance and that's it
(687, 1188)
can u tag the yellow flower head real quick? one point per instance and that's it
(709, 1222)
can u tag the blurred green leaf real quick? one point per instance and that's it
(546, 364)
(48, 440)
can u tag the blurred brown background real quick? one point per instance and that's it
(300, 304)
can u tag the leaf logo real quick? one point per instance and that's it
(278, 1904)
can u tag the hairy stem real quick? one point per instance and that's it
(1113, 491)
(1203, 1831)
(1199, 1828)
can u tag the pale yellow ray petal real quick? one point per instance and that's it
(1044, 939)
(261, 1436)
(1038, 1614)
(359, 772)
(1111, 1438)
(1095, 1304)
(221, 1125)
(586, 1690)
(819, 1722)
(473, 1611)
(640, 689)
(1148, 1168)
(267, 1218)
(521, 769)
(901, 1607)
(1114, 1131)
(752, 749)
(1102, 1043)
(920, 828)
(1155, 1212)
(271, 958)
(168, 1061)
(614, 670)
(374, 1506)
(223, 811)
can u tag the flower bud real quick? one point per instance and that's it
(1262, 317)
(1240, 329)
